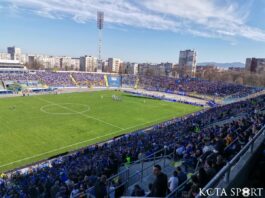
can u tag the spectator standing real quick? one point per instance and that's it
(101, 188)
(173, 181)
(159, 187)
(182, 177)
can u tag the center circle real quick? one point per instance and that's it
(69, 108)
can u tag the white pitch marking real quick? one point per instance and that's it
(49, 105)
(76, 112)
(77, 143)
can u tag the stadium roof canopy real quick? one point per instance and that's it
(11, 65)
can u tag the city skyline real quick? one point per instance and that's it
(145, 31)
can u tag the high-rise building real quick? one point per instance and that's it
(105, 66)
(75, 64)
(65, 63)
(187, 63)
(162, 69)
(47, 62)
(131, 68)
(114, 65)
(57, 61)
(24, 58)
(5, 56)
(31, 60)
(166, 69)
(255, 65)
(135, 68)
(14, 52)
(88, 63)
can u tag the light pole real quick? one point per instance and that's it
(100, 21)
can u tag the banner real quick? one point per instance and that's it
(114, 81)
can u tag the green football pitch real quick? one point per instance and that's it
(38, 127)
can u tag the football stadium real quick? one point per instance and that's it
(63, 132)
(79, 123)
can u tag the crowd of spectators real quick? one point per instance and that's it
(213, 147)
(192, 137)
(56, 79)
(209, 87)
(154, 83)
(218, 145)
(89, 79)
(243, 93)
(45, 77)
(129, 80)
(18, 77)
(193, 85)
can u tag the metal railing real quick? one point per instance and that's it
(128, 180)
(125, 179)
(145, 164)
(225, 172)
(156, 157)
(181, 187)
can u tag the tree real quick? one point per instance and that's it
(240, 77)
(35, 65)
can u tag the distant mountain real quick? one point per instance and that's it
(225, 65)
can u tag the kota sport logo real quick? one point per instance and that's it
(233, 192)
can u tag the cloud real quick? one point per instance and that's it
(204, 18)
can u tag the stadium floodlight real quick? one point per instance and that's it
(100, 21)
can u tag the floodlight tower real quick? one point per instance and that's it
(100, 21)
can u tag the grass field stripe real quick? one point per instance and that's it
(84, 115)
(77, 143)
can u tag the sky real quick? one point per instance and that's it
(136, 30)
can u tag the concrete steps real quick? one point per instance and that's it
(146, 177)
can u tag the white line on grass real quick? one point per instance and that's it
(76, 112)
(75, 144)
(51, 113)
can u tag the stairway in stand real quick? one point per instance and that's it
(73, 80)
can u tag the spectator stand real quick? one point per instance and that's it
(138, 172)
(225, 177)
(179, 132)
(181, 191)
